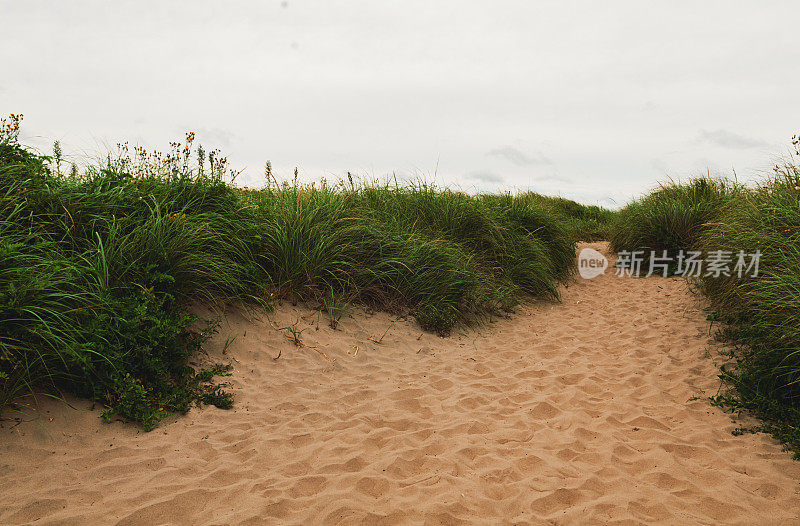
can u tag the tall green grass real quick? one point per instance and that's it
(762, 312)
(583, 222)
(759, 313)
(99, 266)
(671, 218)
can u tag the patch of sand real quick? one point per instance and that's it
(565, 413)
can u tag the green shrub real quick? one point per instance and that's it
(583, 222)
(100, 266)
(759, 312)
(671, 218)
(762, 311)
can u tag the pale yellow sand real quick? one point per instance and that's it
(578, 412)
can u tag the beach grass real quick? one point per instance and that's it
(672, 217)
(101, 265)
(757, 314)
(584, 222)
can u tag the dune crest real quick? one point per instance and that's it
(576, 412)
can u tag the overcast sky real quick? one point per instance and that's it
(595, 101)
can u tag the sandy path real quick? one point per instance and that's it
(566, 413)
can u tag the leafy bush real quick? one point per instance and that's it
(760, 311)
(99, 266)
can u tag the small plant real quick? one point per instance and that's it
(380, 340)
(293, 333)
(228, 342)
(9, 128)
(335, 306)
(57, 156)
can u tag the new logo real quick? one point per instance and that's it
(591, 263)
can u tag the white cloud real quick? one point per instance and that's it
(214, 137)
(518, 157)
(728, 139)
(485, 176)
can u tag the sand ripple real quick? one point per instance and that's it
(579, 412)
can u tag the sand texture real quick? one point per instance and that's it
(571, 413)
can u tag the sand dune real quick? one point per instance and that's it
(579, 412)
